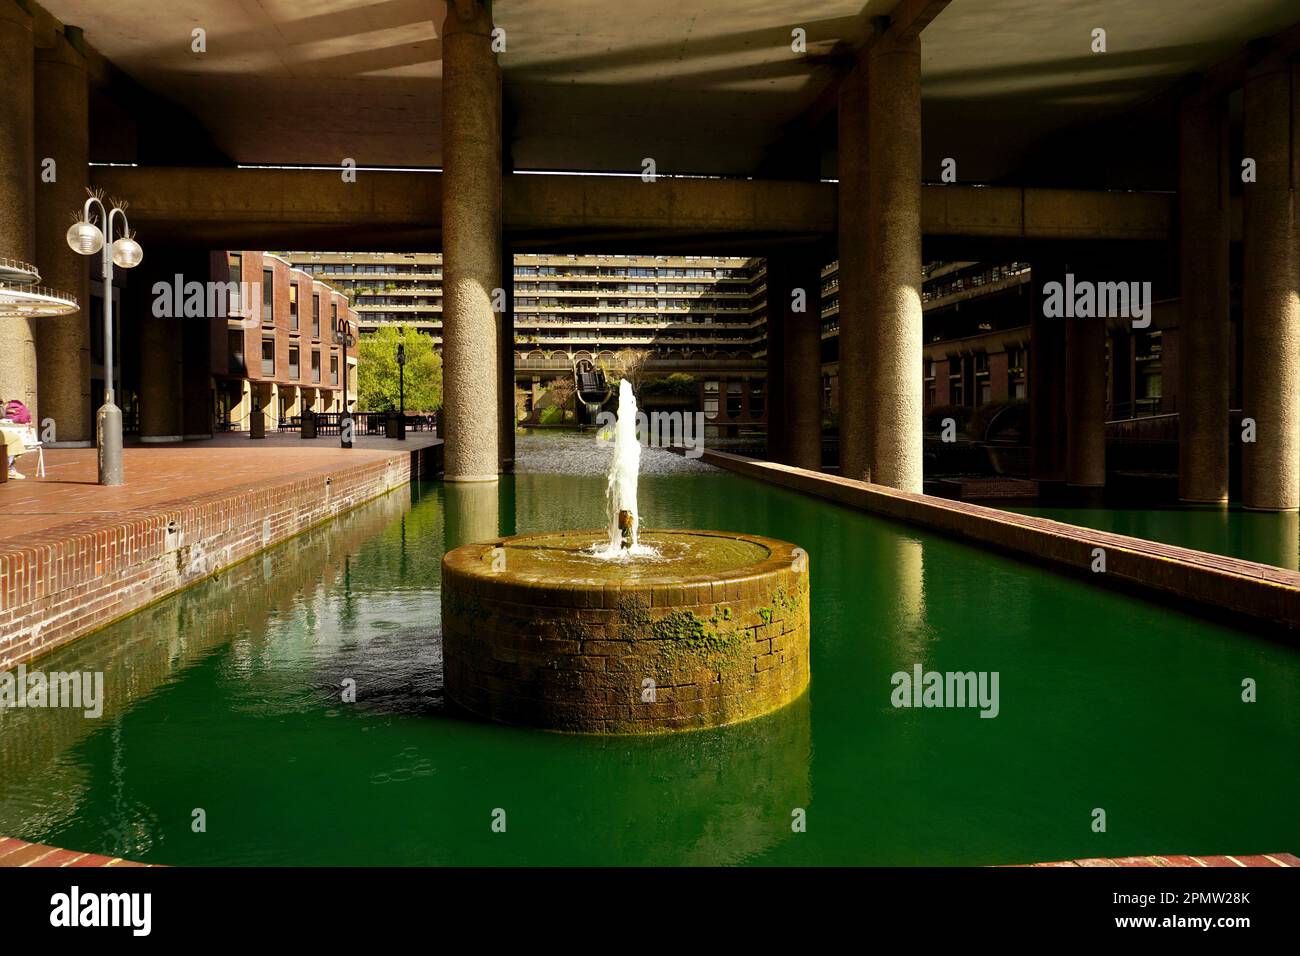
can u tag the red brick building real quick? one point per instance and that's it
(275, 350)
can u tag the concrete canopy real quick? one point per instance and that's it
(702, 86)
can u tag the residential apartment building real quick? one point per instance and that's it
(702, 315)
(976, 342)
(276, 355)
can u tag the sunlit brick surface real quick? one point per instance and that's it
(75, 556)
(1262, 860)
(577, 654)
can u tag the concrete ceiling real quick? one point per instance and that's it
(702, 86)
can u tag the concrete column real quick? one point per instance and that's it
(1047, 373)
(777, 296)
(1085, 402)
(506, 355)
(1204, 232)
(471, 238)
(197, 387)
(894, 253)
(797, 298)
(63, 342)
(854, 383)
(160, 379)
(1270, 465)
(17, 207)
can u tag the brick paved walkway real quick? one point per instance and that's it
(1263, 860)
(20, 853)
(158, 474)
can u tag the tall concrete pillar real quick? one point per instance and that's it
(63, 342)
(471, 240)
(1085, 402)
(1047, 373)
(161, 420)
(1270, 465)
(506, 355)
(1204, 233)
(197, 388)
(777, 294)
(855, 392)
(796, 297)
(894, 255)
(17, 207)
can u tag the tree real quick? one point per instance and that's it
(562, 390)
(377, 374)
(628, 364)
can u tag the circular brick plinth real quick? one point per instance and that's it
(537, 633)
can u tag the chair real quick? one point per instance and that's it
(30, 443)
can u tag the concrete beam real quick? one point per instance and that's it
(286, 208)
(910, 17)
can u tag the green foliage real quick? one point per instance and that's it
(551, 415)
(685, 636)
(377, 374)
(678, 384)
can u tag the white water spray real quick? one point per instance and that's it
(620, 492)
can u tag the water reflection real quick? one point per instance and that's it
(473, 512)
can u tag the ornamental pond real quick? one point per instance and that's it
(229, 698)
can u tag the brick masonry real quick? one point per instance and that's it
(1261, 860)
(16, 853)
(575, 655)
(60, 583)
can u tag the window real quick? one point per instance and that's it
(268, 296)
(756, 398)
(236, 263)
(235, 351)
(293, 306)
(735, 398)
(334, 369)
(293, 362)
(710, 399)
(315, 316)
(315, 366)
(268, 358)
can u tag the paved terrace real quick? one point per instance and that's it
(75, 556)
(162, 475)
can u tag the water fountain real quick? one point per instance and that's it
(625, 630)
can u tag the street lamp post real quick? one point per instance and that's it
(343, 336)
(86, 238)
(401, 390)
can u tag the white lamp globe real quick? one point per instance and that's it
(85, 238)
(127, 253)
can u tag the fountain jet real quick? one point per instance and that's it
(620, 491)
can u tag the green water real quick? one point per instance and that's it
(227, 698)
(1252, 535)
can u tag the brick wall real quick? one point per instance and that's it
(59, 584)
(575, 655)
